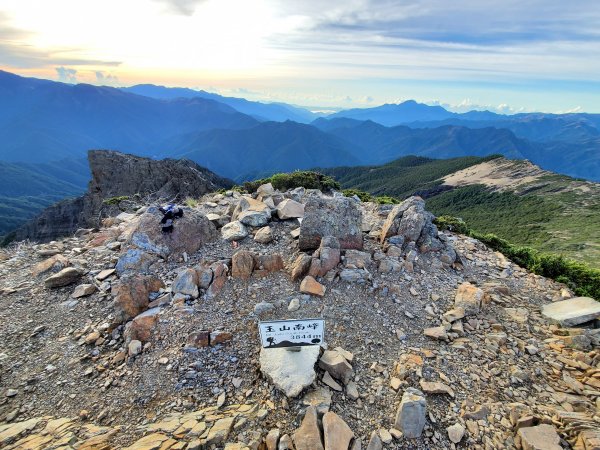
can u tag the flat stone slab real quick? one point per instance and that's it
(575, 311)
(290, 372)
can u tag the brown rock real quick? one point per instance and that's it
(63, 278)
(55, 263)
(270, 263)
(290, 209)
(337, 433)
(264, 235)
(300, 266)
(83, 290)
(436, 333)
(199, 339)
(308, 436)
(311, 286)
(469, 298)
(334, 363)
(219, 270)
(220, 337)
(328, 257)
(140, 328)
(272, 439)
(435, 387)
(242, 264)
(131, 296)
(541, 437)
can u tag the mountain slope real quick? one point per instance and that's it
(516, 200)
(395, 114)
(278, 112)
(45, 121)
(267, 148)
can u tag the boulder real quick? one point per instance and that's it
(265, 190)
(219, 271)
(308, 436)
(131, 296)
(290, 209)
(469, 298)
(264, 235)
(327, 257)
(312, 287)
(234, 231)
(65, 277)
(355, 259)
(338, 216)
(140, 328)
(391, 226)
(572, 312)
(540, 437)
(186, 283)
(290, 372)
(242, 264)
(336, 433)
(266, 264)
(135, 261)
(190, 232)
(412, 413)
(55, 263)
(334, 362)
(251, 212)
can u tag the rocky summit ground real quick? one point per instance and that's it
(122, 337)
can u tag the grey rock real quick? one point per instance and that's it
(186, 283)
(234, 231)
(136, 261)
(263, 308)
(572, 312)
(411, 415)
(65, 277)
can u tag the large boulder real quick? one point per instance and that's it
(186, 283)
(140, 328)
(325, 216)
(131, 296)
(290, 209)
(290, 372)
(189, 233)
(135, 260)
(253, 213)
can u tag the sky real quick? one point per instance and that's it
(507, 56)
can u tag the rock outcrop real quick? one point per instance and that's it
(115, 175)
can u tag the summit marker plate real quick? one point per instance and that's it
(291, 333)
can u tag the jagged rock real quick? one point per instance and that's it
(572, 312)
(234, 231)
(336, 433)
(186, 283)
(264, 235)
(294, 305)
(540, 437)
(290, 209)
(135, 261)
(375, 442)
(272, 439)
(265, 190)
(300, 266)
(326, 257)
(290, 372)
(454, 314)
(308, 436)
(435, 387)
(455, 432)
(411, 415)
(339, 217)
(140, 328)
(252, 212)
(131, 296)
(190, 232)
(285, 443)
(335, 363)
(220, 431)
(83, 290)
(392, 227)
(219, 271)
(352, 390)
(355, 259)
(319, 398)
(354, 275)
(55, 263)
(242, 264)
(65, 277)
(469, 298)
(329, 381)
(117, 174)
(311, 286)
(436, 333)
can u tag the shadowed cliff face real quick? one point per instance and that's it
(116, 174)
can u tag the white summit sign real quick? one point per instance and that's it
(291, 333)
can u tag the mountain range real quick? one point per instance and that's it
(43, 122)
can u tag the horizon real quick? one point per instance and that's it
(539, 57)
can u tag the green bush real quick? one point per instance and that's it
(364, 196)
(387, 200)
(115, 200)
(584, 280)
(300, 178)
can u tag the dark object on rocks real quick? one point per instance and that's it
(339, 217)
(170, 213)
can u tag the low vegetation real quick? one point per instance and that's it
(302, 178)
(584, 280)
(115, 200)
(366, 197)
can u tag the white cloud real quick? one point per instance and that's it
(106, 79)
(66, 75)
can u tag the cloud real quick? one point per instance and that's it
(106, 79)
(467, 105)
(66, 75)
(183, 7)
